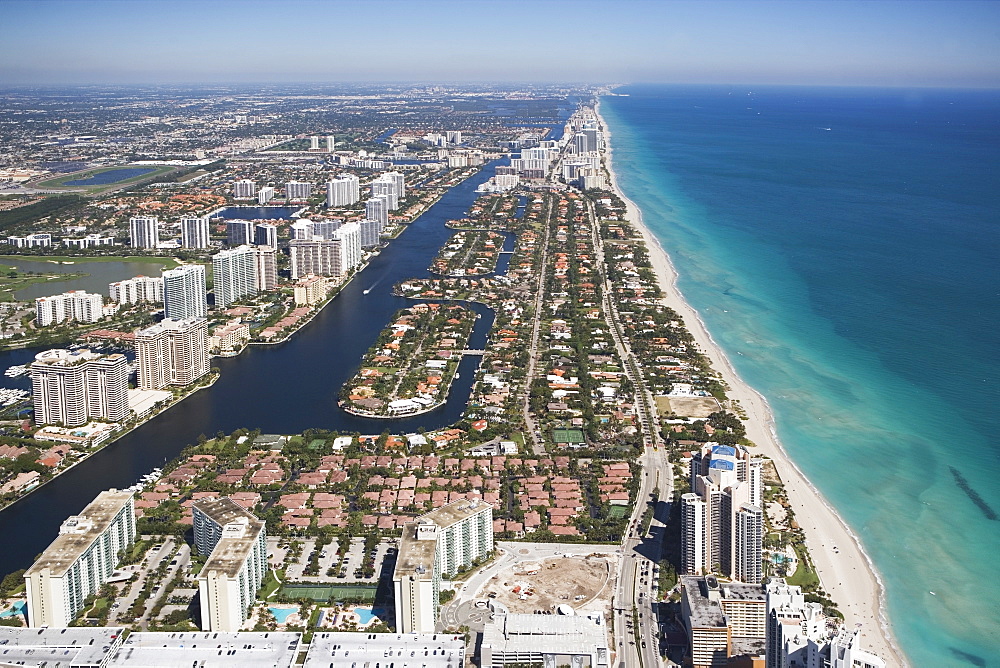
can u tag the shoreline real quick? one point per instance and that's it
(849, 576)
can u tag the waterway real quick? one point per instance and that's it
(283, 389)
(99, 275)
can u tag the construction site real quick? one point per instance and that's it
(584, 583)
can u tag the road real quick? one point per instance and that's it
(636, 632)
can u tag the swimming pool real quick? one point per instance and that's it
(282, 614)
(366, 615)
(16, 609)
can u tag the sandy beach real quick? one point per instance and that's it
(847, 574)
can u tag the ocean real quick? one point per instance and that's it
(843, 247)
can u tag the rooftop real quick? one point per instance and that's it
(416, 556)
(79, 532)
(411, 650)
(548, 634)
(237, 542)
(704, 596)
(55, 647)
(454, 512)
(208, 649)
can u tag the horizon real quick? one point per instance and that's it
(910, 43)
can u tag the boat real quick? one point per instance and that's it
(16, 370)
(366, 291)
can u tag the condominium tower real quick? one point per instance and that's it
(172, 352)
(184, 292)
(235, 542)
(140, 289)
(235, 272)
(194, 232)
(73, 305)
(144, 231)
(80, 559)
(344, 190)
(71, 388)
(436, 544)
(721, 519)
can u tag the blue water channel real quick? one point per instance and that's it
(284, 389)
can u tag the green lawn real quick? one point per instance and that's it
(167, 262)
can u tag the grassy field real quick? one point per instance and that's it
(9, 284)
(167, 262)
(60, 181)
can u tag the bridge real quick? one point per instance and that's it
(471, 352)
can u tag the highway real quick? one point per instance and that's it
(636, 632)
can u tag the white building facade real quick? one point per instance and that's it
(80, 559)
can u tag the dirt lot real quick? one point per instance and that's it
(692, 407)
(583, 583)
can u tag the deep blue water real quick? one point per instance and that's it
(842, 246)
(111, 176)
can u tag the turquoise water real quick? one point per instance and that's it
(366, 615)
(15, 610)
(841, 246)
(282, 614)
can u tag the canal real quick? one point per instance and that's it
(283, 389)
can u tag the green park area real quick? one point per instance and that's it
(324, 593)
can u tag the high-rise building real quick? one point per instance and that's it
(75, 305)
(239, 232)
(453, 136)
(185, 292)
(172, 352)
(377, 208)
(324, 229)
(344, 190)
(70, 388)
(80, 559)
(267, 268)
(235, 542)
(845, 651)
(235, 272)
(107, 387)
(796, 630)
(298, 190)
(723, 620)
(349, 236)
(332, 257)
(301, 230)
(721, 519)
(140, 289)
(331, 143)
(244, 189)
(370, 235)
(437, 543)
(386, 189)
(319, 257)
(194, 232)
(144, 231)
(265, 195)
(266, 234)
(314, 143)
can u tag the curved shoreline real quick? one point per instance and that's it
(862, 600)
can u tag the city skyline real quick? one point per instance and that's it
(818, 43)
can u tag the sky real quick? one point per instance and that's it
(952, 43)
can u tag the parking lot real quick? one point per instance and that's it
(323, 563)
